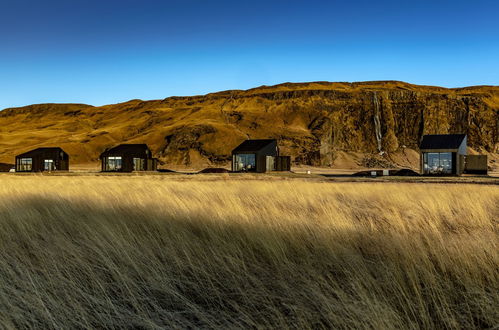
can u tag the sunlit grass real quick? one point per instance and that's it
(157, 252)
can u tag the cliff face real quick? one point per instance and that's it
(315, 123)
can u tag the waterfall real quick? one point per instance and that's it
(377, 123)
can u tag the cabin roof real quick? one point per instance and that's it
(126, 148)
(38, 151)
(442, 141)
(253, 145)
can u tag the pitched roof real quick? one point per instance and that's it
(126, 148)
(442, 141)
(39, 151)
(253, 145)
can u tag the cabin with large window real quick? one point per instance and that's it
(128, 158)
(43, 160)
(443, 154)
(259, 156)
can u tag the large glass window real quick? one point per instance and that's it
(113, 163)
(48, 165)
(437, 163)
(25, 164)
(244, 162)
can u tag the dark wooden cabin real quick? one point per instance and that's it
(259, 156)
(128, 158)
(443, 154)
(43, 159)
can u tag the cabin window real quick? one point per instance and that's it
(25, 164)
(437, 162)
(113, 163)
(138, 164)
(48, 165)
(245, 162)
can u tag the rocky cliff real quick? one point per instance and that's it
(318, 123)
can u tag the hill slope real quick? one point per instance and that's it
(318, 123)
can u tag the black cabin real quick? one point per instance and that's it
(443, 154)
(43, 159)
(128, 158)
(259, 156)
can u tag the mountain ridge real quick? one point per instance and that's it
(360, 83)
(317, 123)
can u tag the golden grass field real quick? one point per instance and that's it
(216, 252)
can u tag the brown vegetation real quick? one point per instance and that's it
(213, 252)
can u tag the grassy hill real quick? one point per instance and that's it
(319, 123)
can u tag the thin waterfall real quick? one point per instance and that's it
(377, 123)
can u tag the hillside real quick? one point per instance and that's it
(319, 123)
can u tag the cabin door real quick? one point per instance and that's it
(48, 165)
(269, 164)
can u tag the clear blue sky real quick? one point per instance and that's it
(109, 51)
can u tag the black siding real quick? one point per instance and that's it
(38, 156)
(128, 152)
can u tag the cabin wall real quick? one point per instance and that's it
(476, 164)
(261, 156)
(283, 163)
(460, 162)
(269, 150)
(127, 165)
(463, 147)
(261, 163)
(151, 164)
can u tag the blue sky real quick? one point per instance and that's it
(102, 52)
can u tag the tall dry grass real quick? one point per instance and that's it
(152, 252)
